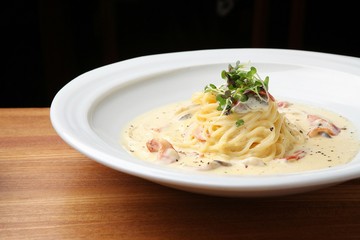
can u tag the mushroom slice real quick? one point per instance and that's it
(322, 127)
(214, 164)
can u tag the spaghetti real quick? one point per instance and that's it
(265, 134)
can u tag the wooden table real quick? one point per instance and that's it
(50, 191)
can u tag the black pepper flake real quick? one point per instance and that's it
(272, 128)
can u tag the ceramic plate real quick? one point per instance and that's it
(90, 112)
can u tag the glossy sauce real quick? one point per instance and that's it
(321, 152)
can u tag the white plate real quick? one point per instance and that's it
(91, 110)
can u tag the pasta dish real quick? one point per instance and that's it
(240, 128)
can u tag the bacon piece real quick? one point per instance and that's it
(296, 155)
(283, 104)
(169, 155)
(153, 145)
(165, 150)
(264, 93)
(200, 134)
(321, 126)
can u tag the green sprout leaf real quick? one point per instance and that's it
(239, 122)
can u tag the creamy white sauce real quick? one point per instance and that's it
(320, 152)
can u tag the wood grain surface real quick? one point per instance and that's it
(50, 191)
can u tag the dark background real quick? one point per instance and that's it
(45, 43)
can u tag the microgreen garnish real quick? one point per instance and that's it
(241, 83)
